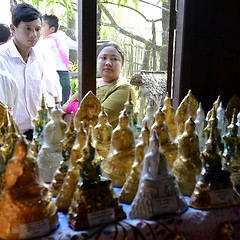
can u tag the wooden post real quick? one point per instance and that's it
(86, 47)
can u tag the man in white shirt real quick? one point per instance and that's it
(60, 43)
(18, 57)
(4, 33)
(9, 92)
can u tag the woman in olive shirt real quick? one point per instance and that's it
(112, 90)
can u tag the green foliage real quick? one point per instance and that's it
(74, 81)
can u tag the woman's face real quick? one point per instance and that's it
(109, 63)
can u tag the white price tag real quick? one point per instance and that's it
(164, 205)
(221, 196)
(235, 177)
(102, 216)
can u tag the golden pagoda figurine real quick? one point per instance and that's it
(130, 187)
(65, 195)
(40, 122)
(188, 163)
(158, 192)
(88, 111)
(214, 189)
(4, 126)
(119, 162)
(170, 116)
(231, 154)
(93, 202)
(169, 147)
(7, 150)
(50, 154)
(103, 133)
(66, 145)
(26, 206)
(233, 103)
(188, 107)
(213, 123)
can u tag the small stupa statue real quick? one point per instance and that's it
(214, 189)
(188, 163)
(88, 111)
(130, 187)
(170, 116)
(213, 123)
(50, 153)
(40, 122)
(188, 107)
(231, 153)
(66, 145)
(26, 206)
(65, 195)
(94, 195)
(7, 150)
(200, 124)
(169, 146)
(222, 120)
(149, 118)
(234, 102)
(103, 133)
(119, 162)
(4, 126)
(158, 192)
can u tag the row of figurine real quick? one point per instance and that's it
(143, 171)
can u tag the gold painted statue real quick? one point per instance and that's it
(26, 206)
(40, 122)
(188, 107)
(103, 133)
(94, 194)
(122, 154)
(170, 116)
(4, 126)
(214, 189)
(169, 147)
(130, 187)
(65, 195)
(188, 163)
(50, 153)
(66, 145)
(88, 111)
(158, 192)
(231, 154)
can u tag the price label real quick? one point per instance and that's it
(164, 205)
(100, 217)
(34, 229)
(221, 196)
(235, 177)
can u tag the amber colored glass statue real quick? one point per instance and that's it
(214, 189)
(169, 147)
(231, 154)
(130, 187)
(103, 133)
(188, 107)
(170, 116)
(94, 195)
(122, 154)
(50, 153)
(158, 192)
(65, 195)
(26, 206)
(188, 163)
(66, 145)
(40, 122)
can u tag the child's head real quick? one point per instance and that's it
(50, 24)
(24, 13)
(4, 33)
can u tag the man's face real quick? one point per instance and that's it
(27, 34)
(46, 30)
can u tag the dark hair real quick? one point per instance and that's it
(4, 32)
(52, 21)
(112, 44)
(24, 12)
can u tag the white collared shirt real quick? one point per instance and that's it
(30, 79)
(66, 43)
(9, 92)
